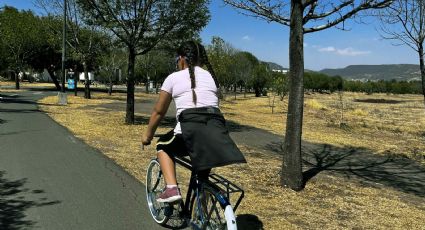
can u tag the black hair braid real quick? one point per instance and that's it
(204, 60)
(192, 78)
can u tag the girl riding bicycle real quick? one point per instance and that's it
(200, 131)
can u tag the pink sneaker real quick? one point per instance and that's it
(169, 195)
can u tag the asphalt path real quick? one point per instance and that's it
(51, 180)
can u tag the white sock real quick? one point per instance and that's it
(171, 185)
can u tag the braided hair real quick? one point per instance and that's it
(195, 55)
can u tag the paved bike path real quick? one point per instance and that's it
(51, 180)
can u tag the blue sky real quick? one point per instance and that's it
(330, 48)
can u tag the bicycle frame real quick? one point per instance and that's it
(213, 180)
(207, 196)
(194, 183)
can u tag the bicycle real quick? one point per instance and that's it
(206, 205)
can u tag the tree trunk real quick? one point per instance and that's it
(422, 67)
(87, 94)
(147, 82)
(156, 83)
(244, 92)
(129, 116)
(76, 78)
(291, 168)
(53, 77)
(257, 91)
(17, 80)
(110, 83)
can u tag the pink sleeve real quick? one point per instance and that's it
(167, 86)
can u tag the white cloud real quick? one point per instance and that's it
(246, 38)
(349, 51)
(327, 49)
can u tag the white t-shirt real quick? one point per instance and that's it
(178, 85)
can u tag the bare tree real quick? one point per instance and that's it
(404, 22)
(143, 25)
(302, 17)
(112, 61)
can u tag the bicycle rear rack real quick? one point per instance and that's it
(225, 186)
(228, 188)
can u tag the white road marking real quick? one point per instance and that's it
(37, 93)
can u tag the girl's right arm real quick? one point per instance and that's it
(159, 111)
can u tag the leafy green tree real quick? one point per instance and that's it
(19, 35)
(242, 69)
(220, 56)
(279, 84)
(3, 55)
(250, 73)
(143, 25)
(262, 76)
(336, 84)
(279, 87)
(48, 55)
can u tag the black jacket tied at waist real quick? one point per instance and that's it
(207, 138)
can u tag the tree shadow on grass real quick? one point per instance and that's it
(399, 173)
(14, 204)
(236, 127)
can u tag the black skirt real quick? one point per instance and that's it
(207, 139)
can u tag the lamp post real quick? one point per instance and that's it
(62, 96)
(63, 46)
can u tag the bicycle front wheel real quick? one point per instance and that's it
(155, 184)
(211, 210)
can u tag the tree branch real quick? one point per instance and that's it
(364, 6)
(261, 11)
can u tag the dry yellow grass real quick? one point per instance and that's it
(328, 202)
(381, 127)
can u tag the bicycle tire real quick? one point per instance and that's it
(155, 184)
(211, 203)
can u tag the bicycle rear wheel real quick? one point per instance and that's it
(155, 184)
(211, 210)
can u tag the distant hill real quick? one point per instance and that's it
(399, 72)
(273, 65)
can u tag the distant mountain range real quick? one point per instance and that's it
(399, 72)
(275, 66)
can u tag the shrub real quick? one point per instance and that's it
(314, 104)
